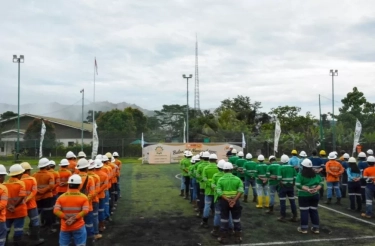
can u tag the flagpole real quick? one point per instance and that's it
(93, 113)
(83, 100)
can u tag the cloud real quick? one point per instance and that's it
(278, 53)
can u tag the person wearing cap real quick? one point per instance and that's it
(56, 175)
(16, 207)
(369, 176)
(362, 165)
(184, 165)
(32, 210)
(71, 157)
(344, 176)
(64, 175)
(354, 184)
(183, 160)
(239, 164)
(271, 175)
(101, 193)
(229, 153)
(233, 159)
(3, 205)
(71, 207)
(44, 197)
(95, 201)
(294, 160)
(323, 174)
(262, 183)
(108, 170)
(308, 183)
(202, 165)
(119, 165)
(207, 174)
(334, 170)
(87, 187)
(286, 175)
(250, 173)
(230, 189)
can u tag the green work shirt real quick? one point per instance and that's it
(229, 185)
(216, 178)
(261, 172)
(199, 173)
(250, 169)
(182, 165)
(185, 164)
(233, 160)
(286, 174)
(272, 173)
(309, 182)
(240, 167)
(195, 169)
(191, 171)
(208, 172)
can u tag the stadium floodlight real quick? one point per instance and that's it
(333, 73)
(187, 104)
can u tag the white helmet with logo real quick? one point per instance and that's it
(70, 154)
(82, 154)
(206, 154)
(303, 154)
(362, 154)
(284, 159)
(82, 163)
(306, 163)
(220, 164)
(115, 154)
(64, 162)
(346, 156)
(240, 154)
(16, 169)
(260, 157)
(227, 166)
(249, 156)
(75, 179)
(3, 170)
(332, 156)
(98, 163)
(370, 152)
(371, 159)
(43, 162)
(213, 157)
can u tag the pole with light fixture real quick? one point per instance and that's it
(18, 60)
(333, 73)
(187, 104)
(83, 100)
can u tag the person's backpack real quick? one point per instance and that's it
(84, 187)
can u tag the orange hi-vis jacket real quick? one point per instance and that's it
(72, 203)
(31, 190)
(334, 169)
(103, 183)
(64, 176)
(108, 170)
(114, 172)
(90, 187)
(3, 202)
(16, 189)
(119, 164)
(97, 184)
(56, 175)
(45, 183)
(72, 166)
(369, 173)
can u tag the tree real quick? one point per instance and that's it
(7, 115)
(171, 119)
(116, 124)
(33, 134)
(140, 120)
(89, 116)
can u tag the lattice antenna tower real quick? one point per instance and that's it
(196, 94)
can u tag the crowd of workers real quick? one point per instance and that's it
(78, 199)
(215, 187)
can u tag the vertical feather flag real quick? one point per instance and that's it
(42, 132)
(277, 135)
(357, 134)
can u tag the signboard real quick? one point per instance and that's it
(164, 153)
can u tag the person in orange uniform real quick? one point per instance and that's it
(101, 192)
(88, 188)
(3, 206)
(71, 157)
(334, 170)
(56, 175)
(32, 210)
(16, 207)
(64, 174)
(119, 164)
(108, 170)
(95, 201)
(113, 192)
(44, 197)
(71, 207)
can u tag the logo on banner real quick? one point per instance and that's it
(159, 150)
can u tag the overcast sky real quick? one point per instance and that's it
(276, 52)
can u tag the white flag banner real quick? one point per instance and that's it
(42, 132)
(95, 141)
(357, 134)
(277, 135)
(142, 142)
(243, 141)
(184, 131)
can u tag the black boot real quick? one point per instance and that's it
(338, 202)
(187, 197)
(182, 193)
(245, 198)
(255, 198)
(215, 231)
(35, 236)
(238, 237)
(328, 202)
(204, 223)
(270, 210)
(90, 241)
(223, 237)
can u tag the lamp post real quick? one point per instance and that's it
(187, 104)
(83, 100)
(18, 60)
(333, 73)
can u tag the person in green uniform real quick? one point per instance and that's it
(198, 161)
(182, 174)
(204, 162)
(232, 159)
(250, 171)
(308, 183)
(240, 163)
(193, 195)
(286, 175)
(272, 181)
(262, 183)
(185, 164)
(230, 188)
(207, 174)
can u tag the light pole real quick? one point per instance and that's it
(83, 100)
(187, 104)
(333, 73)
(18, 60)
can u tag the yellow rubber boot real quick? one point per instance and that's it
(267, 202)
(260, 202)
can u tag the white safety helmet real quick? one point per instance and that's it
(98, 163)
(303, 154)
(75, 179)
(3, 170)
(206, 154)
(82, 154)
(82, 163)
(99, 157)
(26, 166)
(16, 169)
(240, 154)
(104, 158)
(52, 163)
(227, 166)
(115, 154)
(192, 160)
(220, 164)
(352, 160)
(332, 156)
(64, 162)
(185, 152)
(200, 154)
(362, 154)
(346, 156)
(249, 156)
(370, 152)
(43, 162)
(284, 159)
(91, 164)
(70, 154)
(271, 157)
(306, 163)
(234, 151)
(188, 154)
(213, 157)
(335, 152)
(197, 157)
(370, 159)
(260, 157)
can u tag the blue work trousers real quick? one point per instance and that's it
(226, 210)
(308, 205)
(284, 193)
(79, 237)
(101, 209)
(182, 182)
(3, 233)
(208, 204)
(249, 182)
(272, 189)
(106, 205)
(330, 187)
(18, 227)
(33, 216)
(89, 224)
(370, 191)
(217, 216)
(95, 217)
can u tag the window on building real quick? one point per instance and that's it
(70, 143)
(2, 149)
